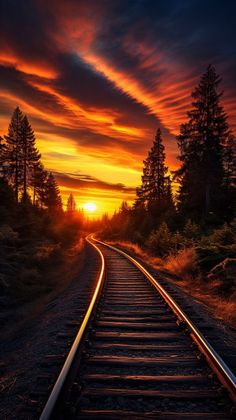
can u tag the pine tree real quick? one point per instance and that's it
(14, 151)
(201, 143)
(7, 201)
(38, 182)
(168, 194)
(188, 198)
(30, 154)
(105, 221)
(124, 208)
(230, 162)
(71, 204)
(155, 184)
(229, 203)
(52, 195)
(2, 157)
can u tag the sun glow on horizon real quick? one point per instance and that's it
(90, 207)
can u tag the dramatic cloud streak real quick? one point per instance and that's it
(96, 80)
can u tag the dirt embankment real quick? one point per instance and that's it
(181, 270)
(31, 329)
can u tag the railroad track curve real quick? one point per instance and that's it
(137, 355)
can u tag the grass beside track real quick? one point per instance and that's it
(180, 269)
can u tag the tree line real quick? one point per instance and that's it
(40, 244)
(206, 177)
(21, 168)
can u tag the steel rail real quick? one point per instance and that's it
(221, 369)
(225, 375)
(58, 387)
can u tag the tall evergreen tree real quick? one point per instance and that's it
(30, 154)
(168, 193)
(38, 182)
(155, 184)
(7, 201)
(124, 208)
(52, 195)
(230, 162)
(2, 156)
(229, 204)
(201, 143)
(14, 151)
(71, 204)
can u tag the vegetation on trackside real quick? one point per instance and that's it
(39, 241)
(191, 234)
(203, 267)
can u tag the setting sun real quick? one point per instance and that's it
(91, 207)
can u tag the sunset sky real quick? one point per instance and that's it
(97, 78)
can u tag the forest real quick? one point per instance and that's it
(36, 234)
(182, 221)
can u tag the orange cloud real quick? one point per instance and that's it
(97, 120)
(39, 68)
(83, 129)
(158, 101)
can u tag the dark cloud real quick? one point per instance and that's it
(84, 137)
(25, 29)
(192, 32)
(209, 26)
(56, 35)
(82, 181)
(18, 84)
(81, 82)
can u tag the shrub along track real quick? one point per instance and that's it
(137, 355)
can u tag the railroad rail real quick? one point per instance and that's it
(138, 355)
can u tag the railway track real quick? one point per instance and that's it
(138, 355)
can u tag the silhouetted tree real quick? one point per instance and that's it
(105, 221)
(2, 156)
(155, 190)
(169, 194)
(123, 217)
(52, 198)
(71, 204)
(230, 161)
(14, 151)
(124, 208)
(7, 201)
(201, 141)
(38, 183)
(230, 176)
(30, 154)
